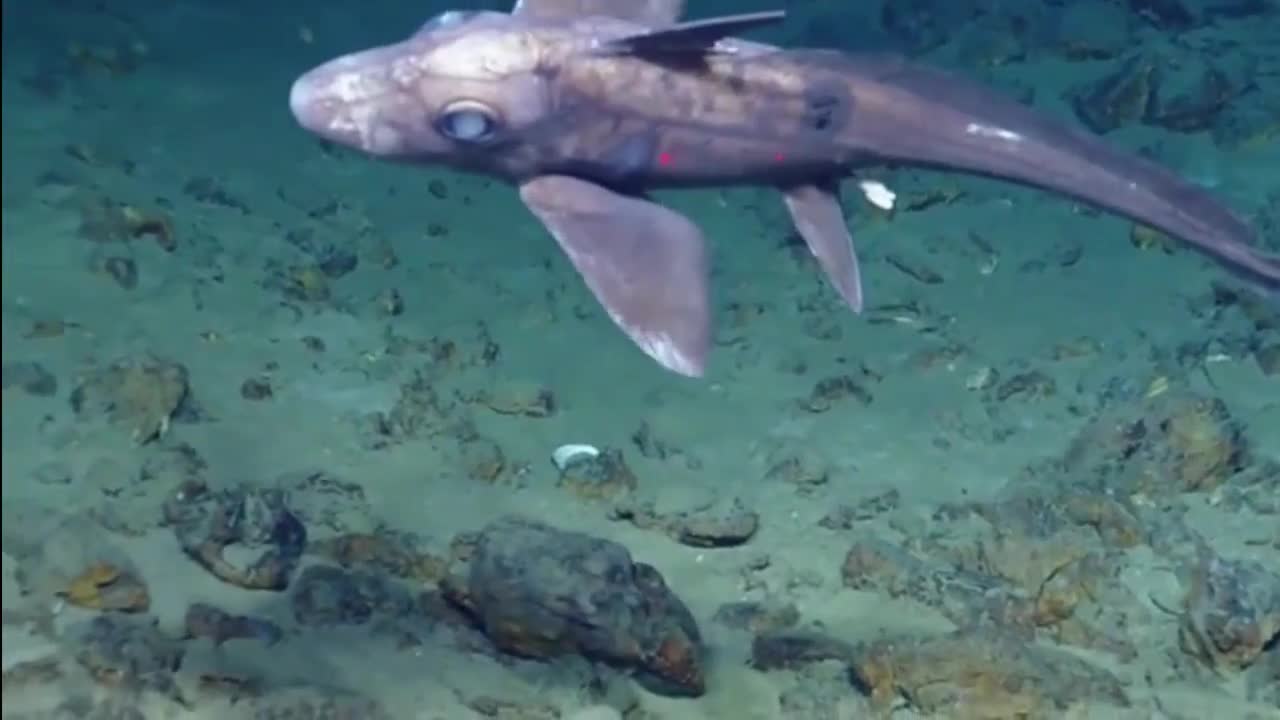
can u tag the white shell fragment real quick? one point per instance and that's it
(565, 455)
(982, 379)
(877, 194)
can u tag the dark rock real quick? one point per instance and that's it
(1025, 585)
(129, 654)
(207, 621)
(333, 261)
(1191, 98)
(603, 476)
(757, 617)
(1177, 442)
(732, 526)
(123, 270)
(1119, 99)
(326, 596)
(793, 649)
(983, 674)
(144, 393)
(338, 263)
(1231, 611)
(725, 525)
(314, 344)
(541, 592)
(207, 522)
(258, 388)
(1180, 91)
(32, 377)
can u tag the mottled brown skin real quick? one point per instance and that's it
(584, 122)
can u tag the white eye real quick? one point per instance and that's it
(467, 121)
(467, 125)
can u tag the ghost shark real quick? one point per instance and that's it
(585, 105)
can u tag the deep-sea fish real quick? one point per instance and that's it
(586, 104)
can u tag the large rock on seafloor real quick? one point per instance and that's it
(540, 592)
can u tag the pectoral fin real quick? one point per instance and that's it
(690, 38)
(646, 264)
(653, 13)
(816, 213)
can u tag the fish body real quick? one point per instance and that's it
(585, 105)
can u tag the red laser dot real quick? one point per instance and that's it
(664, 158)
(779, 157)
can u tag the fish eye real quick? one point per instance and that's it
(467, 121)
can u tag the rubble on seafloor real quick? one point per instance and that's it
(1046, 564)
(1033, 582)
(1039, 611)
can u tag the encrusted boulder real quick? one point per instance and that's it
(540, 592)
(207, 522)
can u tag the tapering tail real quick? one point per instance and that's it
(912, 114)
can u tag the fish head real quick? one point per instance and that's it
(461, 91)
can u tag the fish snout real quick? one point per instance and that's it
(320, 111)
(308, 105)
(348, 105)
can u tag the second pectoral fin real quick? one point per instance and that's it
(646, 264)
(818, 218)
(693, 37)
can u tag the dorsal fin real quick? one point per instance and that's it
(693, 38)
(650, 13)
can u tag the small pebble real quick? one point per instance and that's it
(123, 270)
(256, 389)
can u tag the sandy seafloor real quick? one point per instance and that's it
(198, 133)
